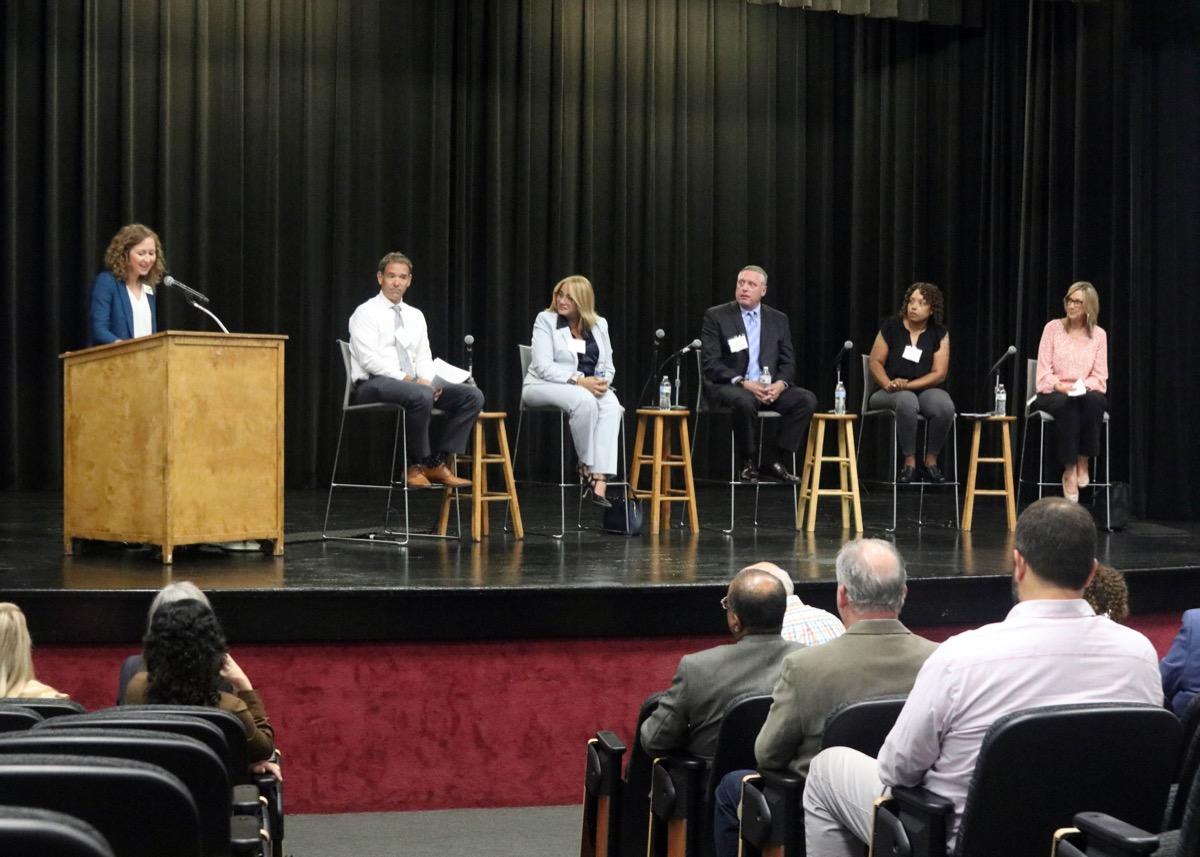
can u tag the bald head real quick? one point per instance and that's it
(872, 572)
(758, 600)
(789, 588)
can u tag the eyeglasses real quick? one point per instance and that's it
(725, 603)
(1074, 301)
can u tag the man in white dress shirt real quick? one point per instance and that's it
(1051, 649)
(391, 362)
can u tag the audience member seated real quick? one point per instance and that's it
(179, 591)
(16, 659)
(876, 656)
(1051, 649)
(1107, 594)
(688, 715)
(186, 660)
(1181, 667)
(808, 626)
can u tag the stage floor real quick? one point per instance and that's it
(589, 583)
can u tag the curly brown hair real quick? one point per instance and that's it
(933, 296)
(1108, 594)
(116, 257)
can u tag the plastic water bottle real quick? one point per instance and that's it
(839, 398)
(1001, 399)
(764, 377)
(664, 394)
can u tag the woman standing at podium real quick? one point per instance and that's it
(122, 305)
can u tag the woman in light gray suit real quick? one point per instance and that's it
(571, 369)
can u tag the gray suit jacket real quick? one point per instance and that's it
(554, 361)
(689, 714)
(875, 657)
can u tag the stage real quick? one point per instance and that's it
(588, 584)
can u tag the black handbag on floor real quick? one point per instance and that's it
(615, 520)
(1111, 508)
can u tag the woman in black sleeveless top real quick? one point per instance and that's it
(909, 361)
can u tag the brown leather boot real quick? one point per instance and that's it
(415, 478)
(441, 474)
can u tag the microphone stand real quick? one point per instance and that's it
(206, 311)
(678, 366)
(650, 378)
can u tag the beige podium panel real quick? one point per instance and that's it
(175, 438)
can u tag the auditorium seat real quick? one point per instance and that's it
(28, 831)
(17, 718)
(628, 798)
(215, 728)
(196, 765)
(771, 811)
(1037, 768)
(682, 786)
(1189, 765)
(141, 809)
(45, 707)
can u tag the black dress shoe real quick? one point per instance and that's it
(749, 472)
(934, 474)
(907, 475)
(780, 472)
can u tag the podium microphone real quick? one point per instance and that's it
(1012, 349)
(168, 280)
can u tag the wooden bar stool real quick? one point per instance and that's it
(814, 457)
(479, 459)
(1010, 503)
(662, 460)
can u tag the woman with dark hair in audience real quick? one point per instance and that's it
(16, 659)
(1072, 380)
(186, 661)
(909, 360)
(1107, 593)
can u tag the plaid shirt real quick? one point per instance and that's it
(809, 626)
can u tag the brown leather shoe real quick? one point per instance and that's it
(415, 478)
(442, 475)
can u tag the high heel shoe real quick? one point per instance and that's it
(1082, 480)
(1072, 496)
(590, 492)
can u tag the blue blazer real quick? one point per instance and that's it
(1181, 667)
(111, 316)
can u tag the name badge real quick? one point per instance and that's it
(911, 352)
(737, 343)
(579, 346)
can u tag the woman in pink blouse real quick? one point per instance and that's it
(1072, 380)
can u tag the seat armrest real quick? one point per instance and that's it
(922, 800)
(272, 790)
(247, 800)
(911, 822)
(1116, 837)
(770, 812)
(246, 838)
(602, 770)
(675, 785)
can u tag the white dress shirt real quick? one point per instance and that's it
(379, 347)
(142, 325)
(1045, 652)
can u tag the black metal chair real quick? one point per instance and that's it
(615, 807)
(1098, 834)
(15, 718)
(41, 832)
(46, 707)
(771, 810)
(141, 809)
(223, 834)
(385, 535)
(682, 787)
(865, 410)
(1036, 769)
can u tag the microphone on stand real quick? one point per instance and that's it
(1000, 406)
(168, 280)
(847, 347)
(659, 335)
(1012, 349)
(694, 345)
(469, 341)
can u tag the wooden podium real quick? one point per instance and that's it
(173, 439)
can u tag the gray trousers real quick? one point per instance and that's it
(595, 423)
(839, 802)
(933, 404)
(460, 402)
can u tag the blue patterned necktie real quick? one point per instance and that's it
(753, 370)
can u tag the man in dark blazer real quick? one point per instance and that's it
(738, 341)
(688, 715)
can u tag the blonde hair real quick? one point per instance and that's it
(579, 289)
(116, 257)
(16, 660)
(1091, 304)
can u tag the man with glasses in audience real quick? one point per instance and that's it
(688, 715)
(1051, 649)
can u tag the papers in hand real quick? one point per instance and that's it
(1077, 389)
(447, 373)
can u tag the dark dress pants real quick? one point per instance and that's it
(795, 406)
(1077, 422)
(460, 402)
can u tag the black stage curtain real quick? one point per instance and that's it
(280, 147)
